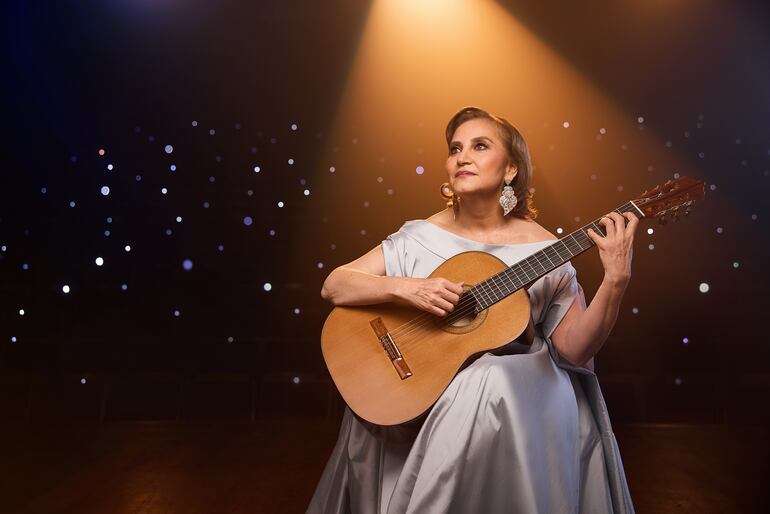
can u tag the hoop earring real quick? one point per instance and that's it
(452, 199)
(508, 198)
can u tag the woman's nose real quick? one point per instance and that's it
(462, 157)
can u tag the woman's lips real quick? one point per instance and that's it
(464, 173)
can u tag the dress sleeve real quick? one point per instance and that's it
(560, 290)
(397, 256)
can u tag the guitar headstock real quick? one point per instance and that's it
(671, 199)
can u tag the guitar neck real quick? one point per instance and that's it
(498, 286)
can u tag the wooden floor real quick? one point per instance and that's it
(273, 466)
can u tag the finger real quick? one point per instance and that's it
(437, 311)
(609, 226)
(456, 287)
(451, 297)
(445, 305)
(619, 223)
(593, 236)
(633, 221)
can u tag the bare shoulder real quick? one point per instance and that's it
(441, 218)
(535, 231)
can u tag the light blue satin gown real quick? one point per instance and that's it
(519, 433)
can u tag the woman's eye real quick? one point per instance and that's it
(481, 144)
(452, 150)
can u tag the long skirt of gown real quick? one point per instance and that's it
(523, 432)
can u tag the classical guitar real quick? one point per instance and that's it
(391, 362)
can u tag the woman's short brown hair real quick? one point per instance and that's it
(518, 153)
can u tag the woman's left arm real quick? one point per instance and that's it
(583, 331)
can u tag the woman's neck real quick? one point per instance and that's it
(480, 215)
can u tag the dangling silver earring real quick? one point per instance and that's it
(508, 199)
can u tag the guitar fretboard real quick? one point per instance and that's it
(498, 286)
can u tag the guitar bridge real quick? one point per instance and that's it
(391, 349)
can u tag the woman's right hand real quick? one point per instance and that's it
(435, 295)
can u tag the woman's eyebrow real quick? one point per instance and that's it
(477, 138)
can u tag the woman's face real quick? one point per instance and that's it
(478, 161)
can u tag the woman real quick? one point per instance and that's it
(523, 432)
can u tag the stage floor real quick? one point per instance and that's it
(273, 466)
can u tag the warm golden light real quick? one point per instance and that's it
(419, 62)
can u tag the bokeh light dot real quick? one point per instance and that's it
(168, 149)
(65, 289)
(280, 204)
(99, 261)
(650, 231)
(268, 286)
(187, 264)
(420, 170)
(163, 190)
(247, 220)
(565, 124)
(703, 287)
(105, 190)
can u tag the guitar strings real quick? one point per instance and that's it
(467, 304)
(464, 308)
(413, 326)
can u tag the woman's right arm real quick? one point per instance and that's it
(363, 282)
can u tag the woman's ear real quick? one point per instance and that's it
(511, 173)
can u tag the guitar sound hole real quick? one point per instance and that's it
(463, 320)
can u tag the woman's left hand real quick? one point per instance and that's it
(616, 248)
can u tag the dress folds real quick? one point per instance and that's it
(518, 433)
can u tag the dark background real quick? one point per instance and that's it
(132, 77)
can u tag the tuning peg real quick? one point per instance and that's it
(662, 220)
(687, 212)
